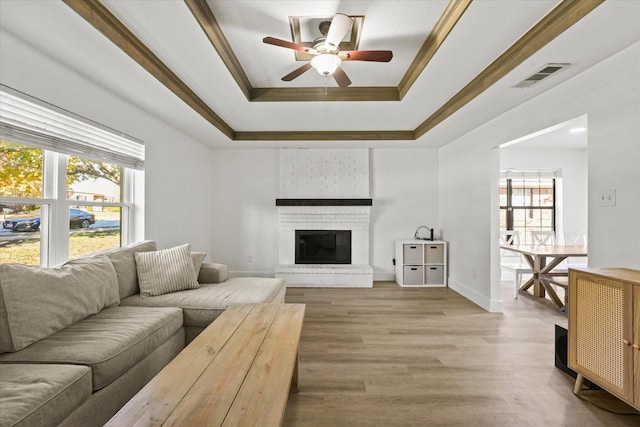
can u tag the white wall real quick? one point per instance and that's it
(177, 172)
(573, 163)
(244, 216)
(245, 185)
(609, 94)
(405, 196)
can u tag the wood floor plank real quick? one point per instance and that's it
(392, 356)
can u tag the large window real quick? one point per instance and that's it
(66, 184)
(528, 203)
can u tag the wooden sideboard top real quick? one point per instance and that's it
(623, 274)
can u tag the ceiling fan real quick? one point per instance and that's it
(327, 57)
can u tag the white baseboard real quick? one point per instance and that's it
(384, 277)
(492, 306)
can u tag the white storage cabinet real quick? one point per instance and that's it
(421, 263)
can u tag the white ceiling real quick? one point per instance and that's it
(170, 30)
(569, 135)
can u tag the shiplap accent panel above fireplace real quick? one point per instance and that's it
(324, 173)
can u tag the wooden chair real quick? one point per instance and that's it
(575, 239)
(539, 237)
(512, 261)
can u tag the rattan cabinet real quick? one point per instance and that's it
(604, 330)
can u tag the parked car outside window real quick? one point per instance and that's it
(77, 218)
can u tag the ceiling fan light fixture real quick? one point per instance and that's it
(326, 63)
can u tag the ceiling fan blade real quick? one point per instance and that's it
(297, 72)
(283, 43)
(340, 24)
(341, 77)
(367, 55)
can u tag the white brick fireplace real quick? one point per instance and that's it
(355, 218)
(324, 189)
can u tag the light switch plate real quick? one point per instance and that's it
(607, 198)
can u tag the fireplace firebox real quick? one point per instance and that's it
(323, 246)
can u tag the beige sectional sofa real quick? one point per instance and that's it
(78, 341)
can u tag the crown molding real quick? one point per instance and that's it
(448, 20)
(303, 94)
(397, 135)
(203, 14)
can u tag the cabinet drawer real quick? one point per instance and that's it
(412, 254)
(434, 274)
(413, 275)
(433, 254)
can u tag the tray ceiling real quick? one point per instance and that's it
(454, 61)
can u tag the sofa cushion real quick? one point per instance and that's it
(125, 265)
(110, 342)
(165, 271)
(35, 302)
(41, 395)
(197, 258)
(213, 273)
(201, 306)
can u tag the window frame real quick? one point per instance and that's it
(509, 207)
(54, 208)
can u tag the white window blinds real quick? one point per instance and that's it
(531, 174)
(30, 121)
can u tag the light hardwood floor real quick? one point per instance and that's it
(392, 356)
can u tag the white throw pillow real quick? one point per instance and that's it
(165, 271)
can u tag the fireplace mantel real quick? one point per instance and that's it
(324, 202)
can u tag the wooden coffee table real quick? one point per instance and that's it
(237, 372)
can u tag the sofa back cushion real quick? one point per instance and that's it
(35, 302)
(125, 265)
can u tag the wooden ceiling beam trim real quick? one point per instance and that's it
(204, 15)
(101, 18)
(554, 23)
(447, 21)
(397, 135)
(324, 94)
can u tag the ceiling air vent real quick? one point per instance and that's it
(542, 74)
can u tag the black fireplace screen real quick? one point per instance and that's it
(323, 246)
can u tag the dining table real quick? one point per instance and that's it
(543, 259)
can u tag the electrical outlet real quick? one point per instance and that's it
(607, 198)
